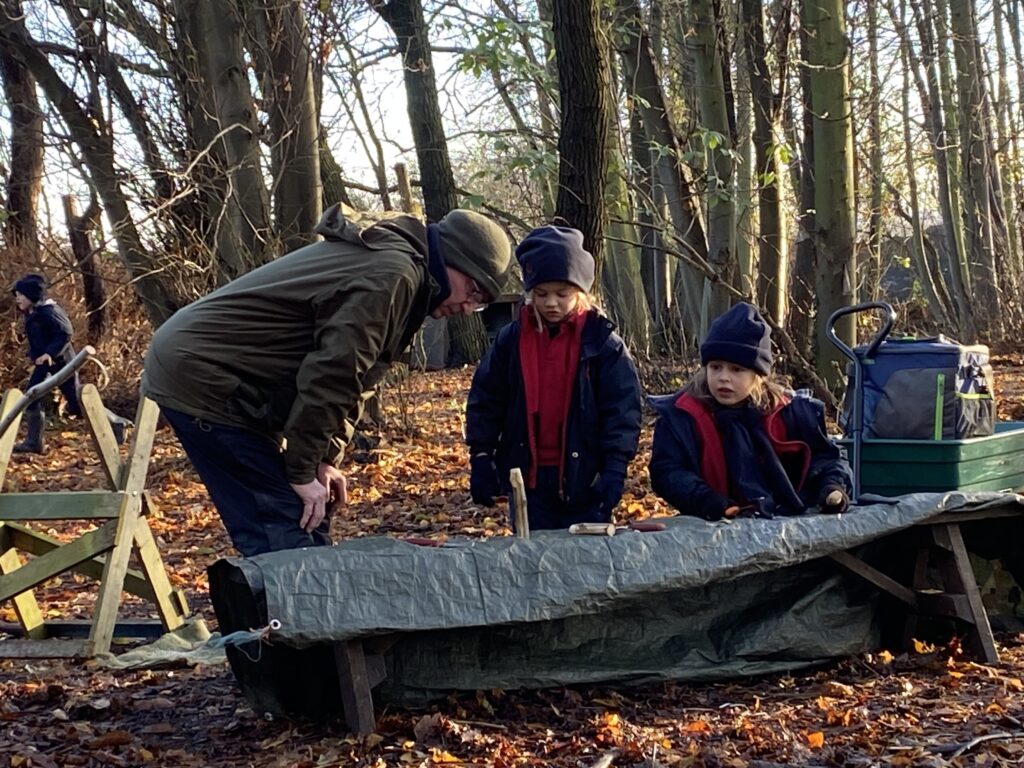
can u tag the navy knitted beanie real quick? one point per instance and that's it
(740, 336)
(555, 254)
(32, 287)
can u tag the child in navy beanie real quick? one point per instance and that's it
(735, 441)
(557, 395)
(48, 332)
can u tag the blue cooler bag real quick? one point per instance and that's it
(924, 389)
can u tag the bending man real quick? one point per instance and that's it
(263, 380)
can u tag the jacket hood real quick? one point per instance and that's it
(334, 225)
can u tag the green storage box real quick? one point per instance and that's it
(992, 463)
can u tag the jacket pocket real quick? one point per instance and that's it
(267, 410)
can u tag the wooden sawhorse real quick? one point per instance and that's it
(940, 540)
(102, 553)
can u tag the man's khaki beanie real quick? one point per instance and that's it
(474, 245)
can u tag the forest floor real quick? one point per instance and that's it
(930, 707)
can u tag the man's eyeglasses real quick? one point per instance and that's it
(477, 296)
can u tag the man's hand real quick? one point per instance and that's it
(44, 359)
(335, 483)
(314, 503)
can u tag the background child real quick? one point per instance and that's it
(735, 439)
(48, 332)
(557, 395)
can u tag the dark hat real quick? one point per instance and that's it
(474, 245)
(740, 336)
(32, 287)
(555, 254)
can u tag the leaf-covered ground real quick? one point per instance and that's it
(931, 707)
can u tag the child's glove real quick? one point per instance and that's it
(483, 479)
(609, 490)
(833, 500)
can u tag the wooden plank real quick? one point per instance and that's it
(171, 606)
(979, 637)
(356, 699)
(132, 483)
(918, 582)
(44, 567)
(992, 513)
(376, 670)
(7, 439)
(60, 505)
(170, 603)
(876, 577)
(25, 606)
(79, 628)
(35, 543)
(945, 604)
(43, 649)
(101, 432)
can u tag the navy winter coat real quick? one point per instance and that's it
(675, 465)
(603, 423)
(48, 331)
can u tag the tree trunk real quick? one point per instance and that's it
(294, 132)
(621, 282)
(331, 180)
(872, 273)
(25, 176)
(704, 43)
(936, 105)
(95, 294)
(405, 17)
(745, 237)
(919, 257)
(805, 257)
(772, 284)
(833, 177)
(976, 166)
(220, 111)
(641, 72)
(1006, 156)
(654, 264)
(584, 86)
(89, 131)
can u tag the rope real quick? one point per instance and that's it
(244, 637)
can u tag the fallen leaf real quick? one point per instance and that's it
(110, 739)
(443, 756)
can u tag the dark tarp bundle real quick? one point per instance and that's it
(697, 601)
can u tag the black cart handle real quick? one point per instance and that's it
(888, 321)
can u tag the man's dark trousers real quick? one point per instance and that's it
(244, 473)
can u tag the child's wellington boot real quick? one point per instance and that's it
(33, 442)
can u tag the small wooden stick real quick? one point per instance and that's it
(515, 478)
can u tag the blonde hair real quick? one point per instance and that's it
(767, 394)
(584, 302)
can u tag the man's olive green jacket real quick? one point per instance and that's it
(293, 348)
